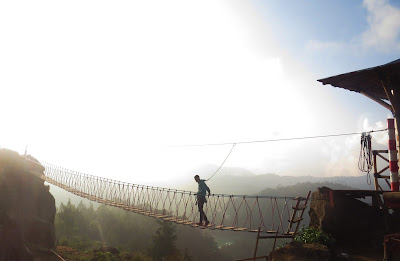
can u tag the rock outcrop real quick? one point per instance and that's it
(350, 221)
(27, 209)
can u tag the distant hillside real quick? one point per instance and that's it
(241, 181)
(237, 181)
(301, 189)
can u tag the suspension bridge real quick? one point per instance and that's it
(279, 216)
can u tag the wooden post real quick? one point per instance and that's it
(395, 102)
(375, 171)
(393, 163)
(258, 237)
(397, 128)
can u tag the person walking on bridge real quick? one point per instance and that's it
(201, 199)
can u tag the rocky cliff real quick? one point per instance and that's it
(27, 209)
(350, 221)
(357, 227)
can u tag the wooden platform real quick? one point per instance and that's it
(391, 199)
(334, 194)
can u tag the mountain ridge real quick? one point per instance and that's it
(225, 183)
(230, 181)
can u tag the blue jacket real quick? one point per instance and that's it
(203, 188)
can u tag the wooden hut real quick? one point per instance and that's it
(380, 83)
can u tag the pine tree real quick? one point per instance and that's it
(163, 245)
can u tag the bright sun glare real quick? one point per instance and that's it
(106, 88)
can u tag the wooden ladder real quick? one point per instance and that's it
(295, 219)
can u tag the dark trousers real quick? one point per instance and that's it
(200, 203)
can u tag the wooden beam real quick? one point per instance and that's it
(394, 99)
(381, 102)
(375, 172)
(397, 124)
(385, 159)
(390, 97)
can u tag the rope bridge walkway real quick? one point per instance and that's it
(269, 214)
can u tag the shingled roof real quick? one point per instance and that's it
(368, 81)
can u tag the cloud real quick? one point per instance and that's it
(343, 158)
(382, 33)
(380, 138)
(384, 25)
(318, 45)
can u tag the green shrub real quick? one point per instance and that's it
(106, 256)
(313, 235)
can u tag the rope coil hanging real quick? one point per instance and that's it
(365, 162)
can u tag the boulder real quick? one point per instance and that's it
(27, 209)
(348, 220)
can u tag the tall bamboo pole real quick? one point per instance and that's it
(394, 101)
(397, 124)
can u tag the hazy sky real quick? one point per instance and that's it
(109, 87)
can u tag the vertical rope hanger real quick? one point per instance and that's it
(233, 145)
(228, 212)
(365, 159)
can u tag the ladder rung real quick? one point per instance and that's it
(255, 230)
(271, 231)
(264, 237)
(218, 227)
(296, 219)
(289, 233)
(300, 207)
(276, 236)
